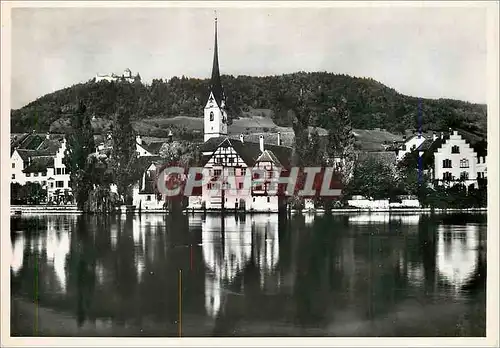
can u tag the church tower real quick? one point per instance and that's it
(215, 115)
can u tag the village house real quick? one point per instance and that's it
(454, 157)
(38, 158)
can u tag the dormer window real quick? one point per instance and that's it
(211, 115)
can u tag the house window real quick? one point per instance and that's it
(28, 175)
(51, 185)
(243, 171)
(268, 199)
(13, 176)
(148, 197)
(258, 188)
(217, 172)
(211, 116)
(58, 171)
(455, 149)
(35, 174)
(231, 160)
(447, 176)
(240, 185)
(464, 163)
(447, 163)
(60, 183)
(44, 173)
(254, 199)
(270, 174)
(464, 176)
(13, 165)
(44, 183)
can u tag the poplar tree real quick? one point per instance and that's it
(79, 146)
(124, 155)
(341, 139)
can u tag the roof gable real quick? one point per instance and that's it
(248, 151)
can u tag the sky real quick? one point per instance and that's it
(425, 52)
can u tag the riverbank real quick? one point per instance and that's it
(73, 209)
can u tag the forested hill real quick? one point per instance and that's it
(372, 104)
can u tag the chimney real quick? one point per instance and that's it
(170, 135)
(279, 138)
(455, 132)
(261, 143)
(241, 138)
(47, 136)
(138, 139)
(442, 135)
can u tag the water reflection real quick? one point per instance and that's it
(384, 218)
(457, 253)
(304, 272)
(230, 244)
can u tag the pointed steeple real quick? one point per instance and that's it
(215, 83)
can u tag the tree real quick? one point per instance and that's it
(123, 155)
(373, 178)
(341, 139)
(80, 144)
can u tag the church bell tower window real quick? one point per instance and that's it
(211, 115)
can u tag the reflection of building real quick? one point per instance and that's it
(145, 230)
(384, 218)
(17, 257)
(457, 253)
(227, 250)
(57, 249)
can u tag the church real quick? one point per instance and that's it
(232, 159)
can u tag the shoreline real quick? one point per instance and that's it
(53, 210)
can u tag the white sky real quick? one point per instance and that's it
(426, 52)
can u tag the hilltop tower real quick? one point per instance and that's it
(215, 114)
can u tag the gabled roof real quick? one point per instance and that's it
(26, 154)
(268, 156)
(152, 147)
(248, 151)
(39, 164)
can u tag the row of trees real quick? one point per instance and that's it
(91, 176)
(371, 104)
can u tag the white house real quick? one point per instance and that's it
(39, 159)
(411, 144)
(456, 160)
(152, 148)
(144, 194)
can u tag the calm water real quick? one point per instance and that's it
(156, 275)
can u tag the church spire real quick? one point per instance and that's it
(215, 83)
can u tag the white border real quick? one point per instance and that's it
(493, 188)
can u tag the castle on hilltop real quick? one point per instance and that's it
(125, 77)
